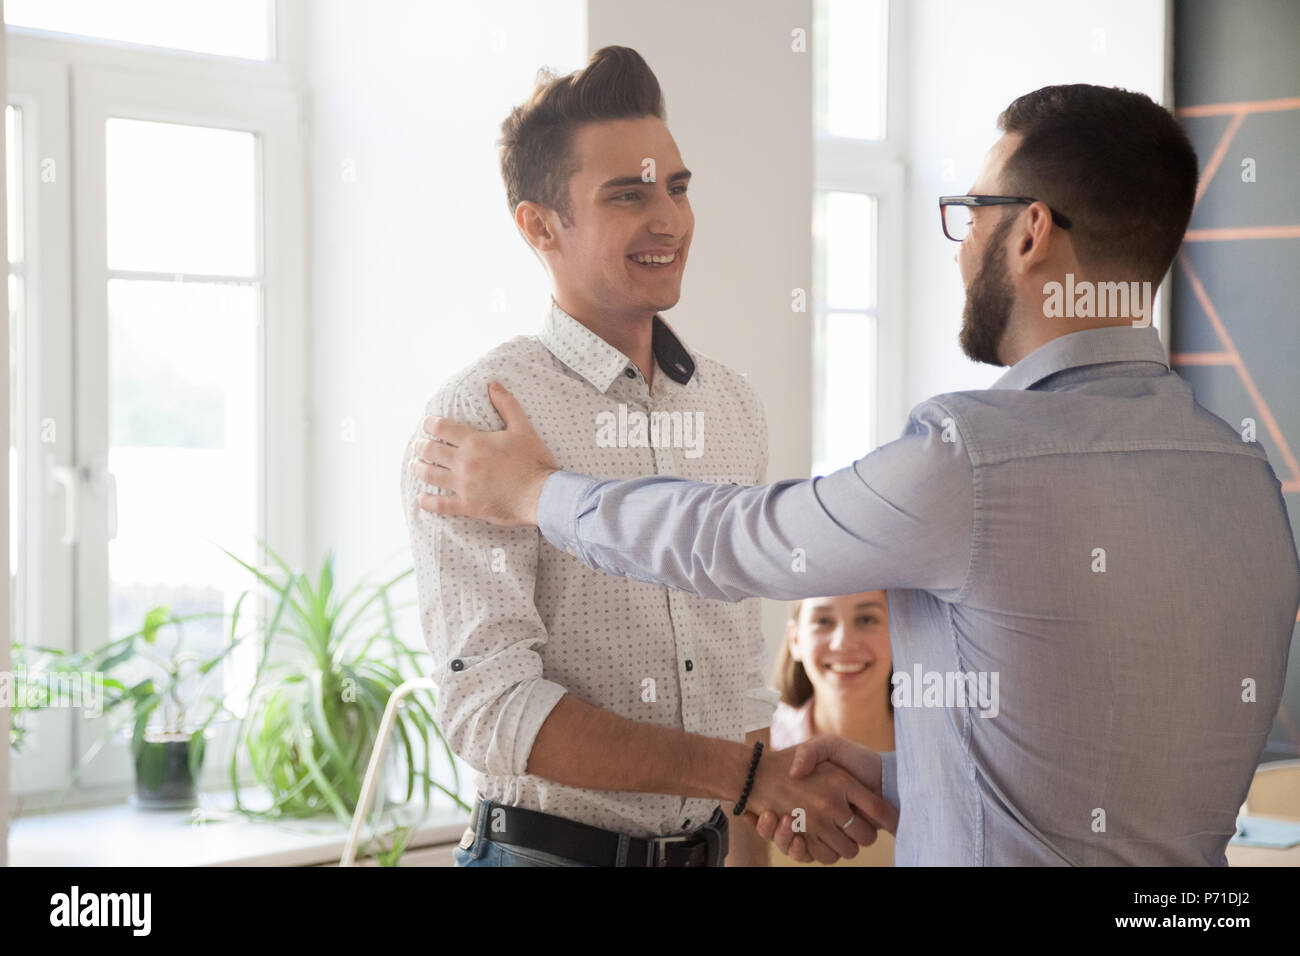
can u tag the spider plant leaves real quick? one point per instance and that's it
(154, 620)
(324, 785)
(323, 732)
(315, 711)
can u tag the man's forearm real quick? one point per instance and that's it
(747, 848)
(584, 746)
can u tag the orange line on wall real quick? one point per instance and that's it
(1230, 356)
(1233, 233)
(1265, 413)
(1246, 106)
(1201, 358)
(1212, 166)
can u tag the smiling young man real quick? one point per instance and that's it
(1117, 557)
(608, 719)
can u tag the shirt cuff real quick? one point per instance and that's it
(557, 508)
(542, 699)
(889, 777)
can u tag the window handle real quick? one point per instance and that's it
(105, 482)
(112, 504)
(69, 478)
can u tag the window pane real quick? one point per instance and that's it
(180, 198)
(183, 433)
(844, 404)
(13, 181)
(844, 247)
(852, 64)
(223, 27)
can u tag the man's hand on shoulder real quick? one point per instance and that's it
(496, 476)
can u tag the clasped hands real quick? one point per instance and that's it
(820, 800)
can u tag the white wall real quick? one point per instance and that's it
(968, 61)
(739, 103)
(411, 241)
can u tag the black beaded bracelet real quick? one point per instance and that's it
(749, 781)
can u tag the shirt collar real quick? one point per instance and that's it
(1117, 343)
(599, 362)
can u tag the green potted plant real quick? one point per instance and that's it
(327, 665)
(158, 698)
(168, 736)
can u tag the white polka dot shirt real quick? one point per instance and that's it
(513, 624)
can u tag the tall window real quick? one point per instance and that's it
(857, 230)
(184, 313)
(155, 325)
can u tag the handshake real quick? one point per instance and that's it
(820, 800)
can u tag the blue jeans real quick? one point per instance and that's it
(503, 854)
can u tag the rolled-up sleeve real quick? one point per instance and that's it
(900, 517)
(474, 584)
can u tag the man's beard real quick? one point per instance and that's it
(989, 299)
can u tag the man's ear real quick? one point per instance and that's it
(1031, 234)
(537, 223)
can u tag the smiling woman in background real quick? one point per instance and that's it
(833, 673)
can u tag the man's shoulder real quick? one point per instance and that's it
(720, 380)
(999, 424)
(463, 395)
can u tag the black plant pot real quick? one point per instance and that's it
(166, 766)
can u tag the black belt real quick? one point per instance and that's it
(516, 826)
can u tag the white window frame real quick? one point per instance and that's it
(39, 88)
(108, 78)
(878, 168)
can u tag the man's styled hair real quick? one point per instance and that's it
(537, 158)
(1115, 163)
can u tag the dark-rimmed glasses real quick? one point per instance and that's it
(954, 212)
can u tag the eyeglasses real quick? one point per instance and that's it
(954, 212)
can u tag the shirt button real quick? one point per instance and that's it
(629, 372)
(690, 666)
(458, 665)
(569, 550)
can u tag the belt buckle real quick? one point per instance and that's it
(655, 847)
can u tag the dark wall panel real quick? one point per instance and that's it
(1235, 323)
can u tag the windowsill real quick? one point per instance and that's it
(122, 835)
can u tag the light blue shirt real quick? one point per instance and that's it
(1092, 586)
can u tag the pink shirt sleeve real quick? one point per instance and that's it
(791, 725)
